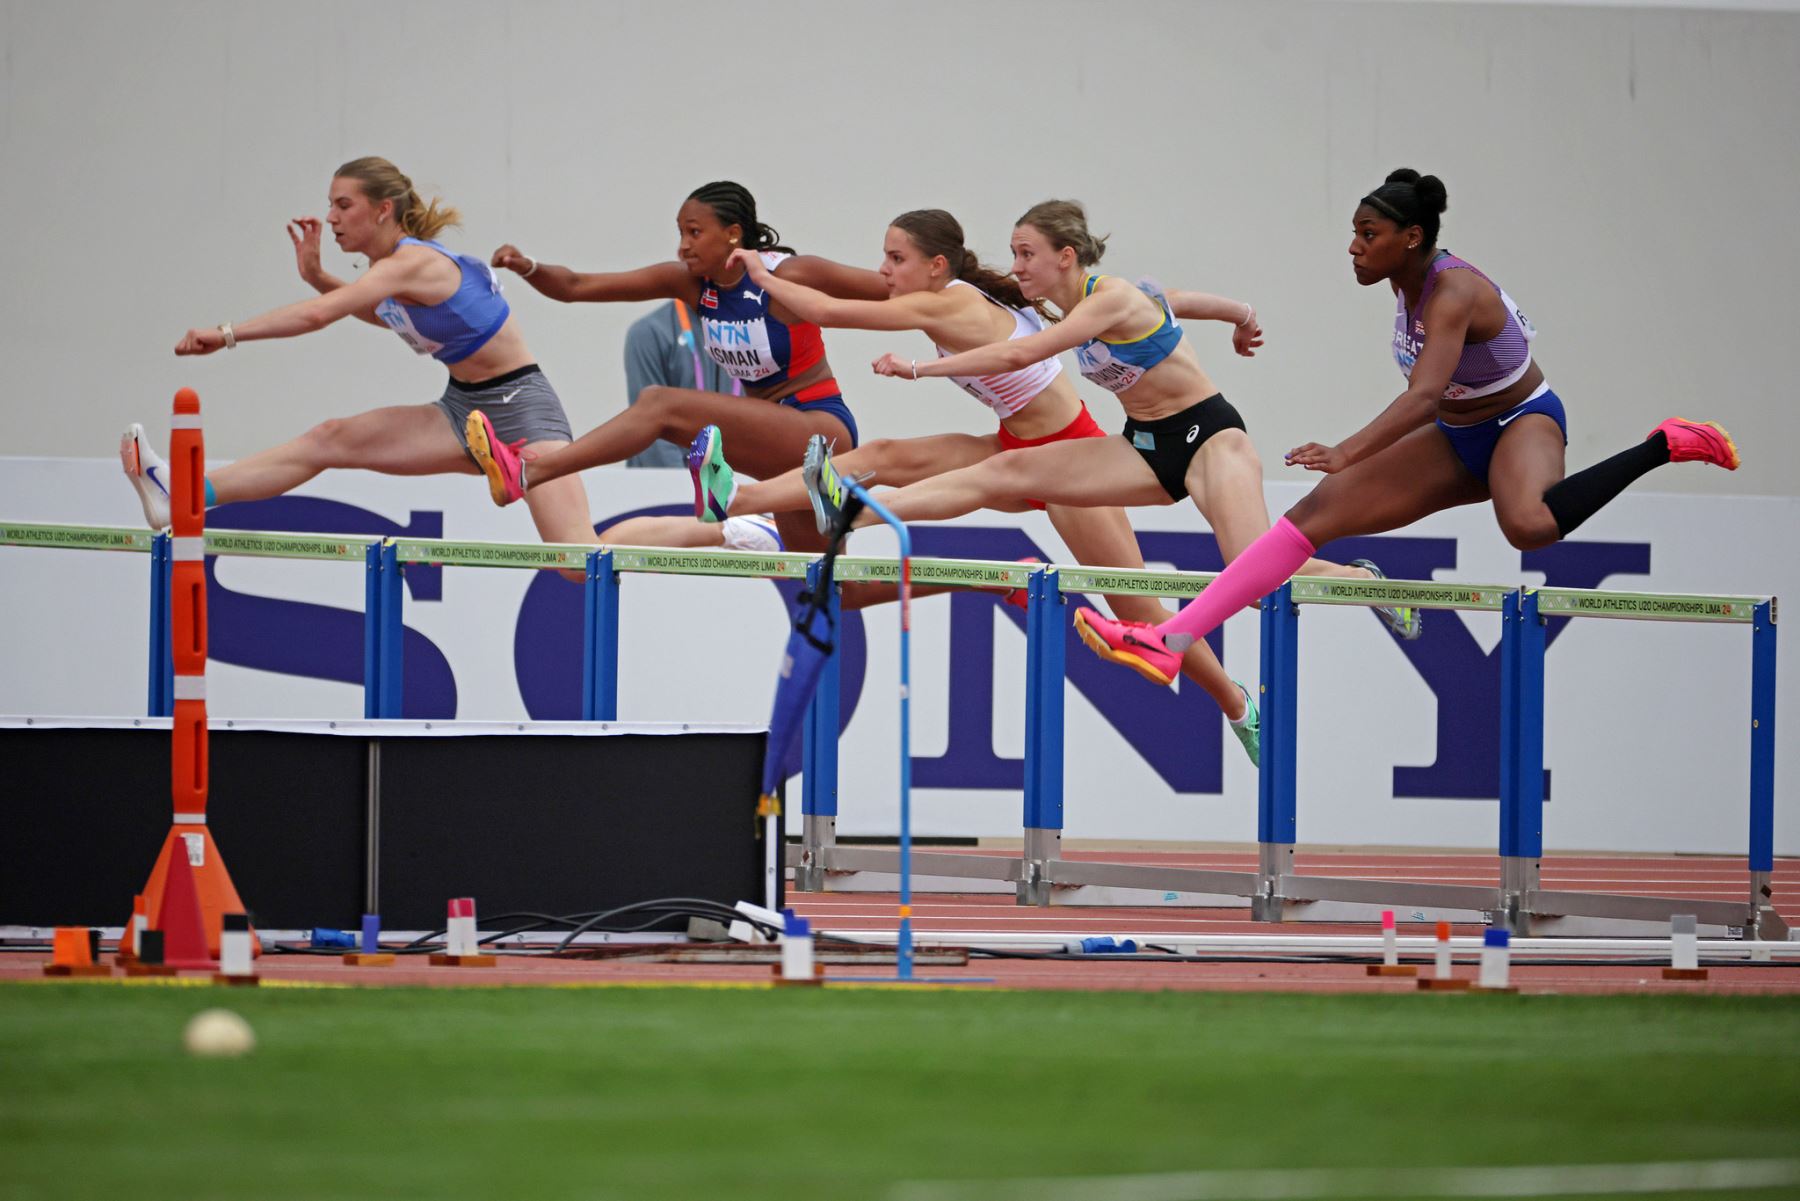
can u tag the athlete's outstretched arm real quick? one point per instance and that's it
(1446, 324)
(833, 278)
(660, 281)
(392, 276)
(911, 311)
(1246, 333)
(1089, 319)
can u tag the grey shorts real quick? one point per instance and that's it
(520, 404)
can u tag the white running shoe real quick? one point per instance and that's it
(148, 473)
(757, 533)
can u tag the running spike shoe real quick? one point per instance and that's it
(148, 473)
(1698, 442)
(1405, 621)
(498, 461)
(1249, 731)
(1135, 644)
(823, 486)
(715, 484)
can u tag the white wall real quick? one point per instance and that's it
(1629, 174)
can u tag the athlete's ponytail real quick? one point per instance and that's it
(936, 232)
(380, 180)
(1408, 198)
(733, 204)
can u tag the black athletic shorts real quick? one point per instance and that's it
(1169, 444)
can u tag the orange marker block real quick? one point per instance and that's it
(71, 954)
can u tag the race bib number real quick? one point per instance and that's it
(741, 348)
(393, 314)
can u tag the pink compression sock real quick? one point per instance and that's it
(1261, 569)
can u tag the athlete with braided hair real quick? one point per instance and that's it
(1476, 422)
(790, 393)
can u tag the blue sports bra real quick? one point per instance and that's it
(451, 330)
(1116, 366)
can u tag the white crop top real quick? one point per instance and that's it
(1009, 391)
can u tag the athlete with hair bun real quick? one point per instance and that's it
(443, 304)
(1476, 422)
(790, 393)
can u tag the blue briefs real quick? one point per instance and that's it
(828, 404)
(1474, 444)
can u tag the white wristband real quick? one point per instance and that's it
(915, 365)
(533, 271)
(230, 337)
(1249, 314)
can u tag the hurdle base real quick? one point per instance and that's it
(464, 960)
(1684, 973)
(1392, 969)
(236, 981)
(77, 969)
(1485, 988)
(359, 959)
(1445, 984)
(150, 969)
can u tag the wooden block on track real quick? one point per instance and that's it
(1393, 969)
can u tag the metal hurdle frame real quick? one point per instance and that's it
(1039, 875)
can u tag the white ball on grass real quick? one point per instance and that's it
(218, 1033)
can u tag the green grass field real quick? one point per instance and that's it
(602, 1093)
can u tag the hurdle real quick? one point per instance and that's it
(1039, 874)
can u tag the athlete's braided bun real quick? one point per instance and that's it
(733, 204)
(1408, 198)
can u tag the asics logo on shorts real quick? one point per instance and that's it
(1193, 432)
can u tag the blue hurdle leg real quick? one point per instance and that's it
(1276, 792)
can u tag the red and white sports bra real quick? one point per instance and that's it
(1009, 391)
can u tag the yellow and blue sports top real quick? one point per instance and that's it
(1116, 366)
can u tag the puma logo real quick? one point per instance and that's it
(753, 296)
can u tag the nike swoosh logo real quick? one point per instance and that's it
(1509, 417)
(150, 473)
(508, 397)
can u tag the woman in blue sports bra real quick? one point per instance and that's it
(789, 391)
(1182, 439)
(440, 303)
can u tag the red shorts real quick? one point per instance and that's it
(1084, 426)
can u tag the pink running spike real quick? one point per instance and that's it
(498, 461)
(1698, 442)
(1135, 644)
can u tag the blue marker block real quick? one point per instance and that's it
(371, 933)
